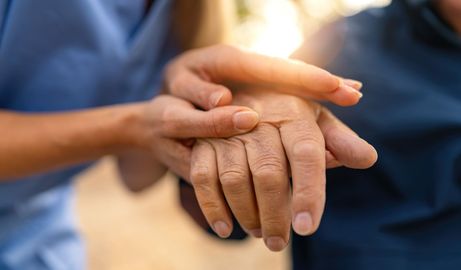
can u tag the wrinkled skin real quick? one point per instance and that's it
(248, 174)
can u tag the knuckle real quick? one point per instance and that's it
(209, 207)
(257, 135)
(268, 165)
(275, 224)
(270, 177)
(176, 83)
(233, 179)
(308, 148)
(168, 119)
(200, 177)
(310, 193)
(214, 125)
(233, 143)
(273, 186)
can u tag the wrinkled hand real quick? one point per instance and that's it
(201, 76)
(249, 174)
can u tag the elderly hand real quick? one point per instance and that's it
(201, 76)
(249, 174)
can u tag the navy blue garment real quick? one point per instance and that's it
(405, 212)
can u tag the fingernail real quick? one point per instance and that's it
(303, 223)
(222, 229)
(256, 233)
(245, 120)
(215, 98)
(351, 90)
(353, 83)
(275, 243)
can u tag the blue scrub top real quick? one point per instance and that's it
(63, 55)
(405, 212)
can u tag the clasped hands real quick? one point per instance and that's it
(242, 165)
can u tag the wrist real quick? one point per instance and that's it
(130, 125)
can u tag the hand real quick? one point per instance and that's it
(166, 129)
(201, 76)
(249, 174)
(193, 75)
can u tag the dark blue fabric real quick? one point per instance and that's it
(405, 212)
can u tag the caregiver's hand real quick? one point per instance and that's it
(39, 142)
(168, 123)
(249, 174)
(201, 76)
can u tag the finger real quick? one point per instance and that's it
(189, 202)
(331, 161)
(237, 184)
(180, 120)
(270, 178)
(305, 149)
(191, 87)
(174, 155)
(347, 94)
(342, 96)
(304, 79)
(227, 63)
(246, 66)
(346, 146)
(204, 179)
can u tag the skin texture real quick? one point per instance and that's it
(34, 143)
(152, 136)
(202, 76)
(248, 174)
(231, 172)
(451, 12)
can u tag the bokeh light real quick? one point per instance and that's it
(278, 27)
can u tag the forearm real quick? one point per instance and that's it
(33, 143)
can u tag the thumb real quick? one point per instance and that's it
(191, 87)
(345, 145)
(181, 120)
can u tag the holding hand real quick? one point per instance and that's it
(201, 76)
(164, 127)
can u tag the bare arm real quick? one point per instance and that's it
(33, 143)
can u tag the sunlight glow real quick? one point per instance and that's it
(278, 33)
(276, 29)
(361, 4)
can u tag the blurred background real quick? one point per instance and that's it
(149, 230)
